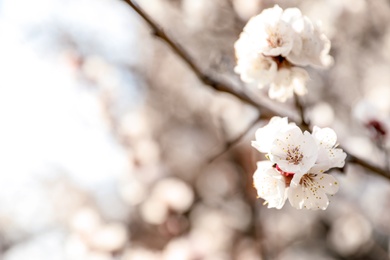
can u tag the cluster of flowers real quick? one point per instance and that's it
(272, 46)
(297, 165)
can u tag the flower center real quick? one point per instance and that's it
(283, 172)
(377, 127)
(287, 175)
(307, 180)
(294, 155)
(274, 40)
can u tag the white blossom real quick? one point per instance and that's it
(296, 164)
(270, 185)
(271, 47)
(269, 34)
(328, 155)
(310, 191)
(294, 151)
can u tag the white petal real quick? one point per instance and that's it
(287, 140)
(315, 201)
(266, 134)
(296, 197)
(328, 155)
(325, 137)
(310, 191)
(338, 158)
(315, 45)
(328, 183)
(270, 185)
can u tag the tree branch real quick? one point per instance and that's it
(221, 86)
(208, 80)
(298, 104)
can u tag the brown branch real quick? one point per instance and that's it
(369, 166)
(221, 86)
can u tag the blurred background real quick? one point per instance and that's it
(106, 135)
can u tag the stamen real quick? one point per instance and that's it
(294, 156)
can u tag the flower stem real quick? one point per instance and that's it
(305, 124)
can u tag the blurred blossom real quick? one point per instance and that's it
(180, 248)
(98, 256)
(283, 227)
(376, 122)
(211, 230)
(96, 234)
(249, 250)
(303, 253)
(133, 191)
(75, 247)
(238, 214)
(109, 237)
(351, 234)
(168, 194)
(154, 211)
(322, 114)
(86, 221)
(138, 253)
(46, 246)
(233, 116)
(135, 125)
(217, 181)
(203, 13)
(176, 194)
(245, 9)
(146, 151)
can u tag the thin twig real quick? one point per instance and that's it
(231, 143)
(305, 125)
(227, 88)
(369, 166)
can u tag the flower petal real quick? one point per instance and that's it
(328, 183)
(270, 185)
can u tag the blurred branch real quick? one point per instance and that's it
(208, 80)
(369, 166)
(301, 109)
(221, 86)
(236, 140)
